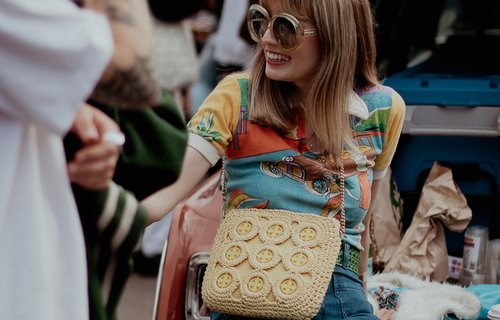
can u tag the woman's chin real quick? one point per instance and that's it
(276, 75)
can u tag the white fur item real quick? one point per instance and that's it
(427, 300)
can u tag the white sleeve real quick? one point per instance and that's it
(52, 55)
(204, 147)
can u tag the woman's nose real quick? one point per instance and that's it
(268, 37)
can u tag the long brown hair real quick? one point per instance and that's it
(347, 61)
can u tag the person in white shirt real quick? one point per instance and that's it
(52, 56)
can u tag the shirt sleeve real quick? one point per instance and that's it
(211, 128)
(392, 134)
(53, 54)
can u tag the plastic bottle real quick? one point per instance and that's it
(475, 246)
(493, 262)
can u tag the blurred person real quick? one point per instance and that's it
(224, 52)
(175, 55)
(43, 85)
(176, 64)
(107, 192)
(53, 55)
(309, 128)
(107, 188)
(176, 67)
(128, 81)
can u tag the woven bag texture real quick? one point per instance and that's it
(271, 264)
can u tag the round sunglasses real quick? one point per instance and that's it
(286, 29)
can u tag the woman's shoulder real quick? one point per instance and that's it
(380, 96)
(238, 76)
(236, 82)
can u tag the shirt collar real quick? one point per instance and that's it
(357, 107)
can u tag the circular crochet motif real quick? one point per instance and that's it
(288, 286)
(234, 253)
(307, 235)
(256, 284)
(299, 260)
(225, 280)
(274, 232)
(245, 229)
(264, 256)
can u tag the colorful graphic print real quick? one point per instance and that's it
(270, 169)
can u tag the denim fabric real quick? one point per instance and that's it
(345, 299)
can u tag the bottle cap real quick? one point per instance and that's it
(494, 313)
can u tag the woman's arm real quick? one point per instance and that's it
(128, 81)
(194, 168)
(365, 236)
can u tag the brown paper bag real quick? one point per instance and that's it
(423, 251)
(386, 225)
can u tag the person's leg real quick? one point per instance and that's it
(345, 298)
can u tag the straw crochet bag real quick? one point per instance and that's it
(271, 263)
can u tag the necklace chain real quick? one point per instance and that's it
(342, 208)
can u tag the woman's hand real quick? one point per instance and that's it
(94, 164)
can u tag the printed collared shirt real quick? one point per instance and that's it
(267, 169)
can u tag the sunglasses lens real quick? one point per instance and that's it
(258, 24)
(285, 32)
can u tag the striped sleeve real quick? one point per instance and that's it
(113, 226)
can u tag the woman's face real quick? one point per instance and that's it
(296, 65)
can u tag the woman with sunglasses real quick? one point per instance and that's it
(308, 128)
